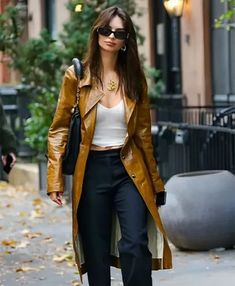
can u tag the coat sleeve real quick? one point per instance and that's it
(58, 132)
(7, 137)
(143, 139)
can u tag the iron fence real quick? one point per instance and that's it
(15, 101)
(193, 139)
(201, 115)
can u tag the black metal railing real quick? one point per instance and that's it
(15, 101)
(205, 115)
(194, 139)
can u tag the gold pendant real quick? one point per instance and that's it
(112, 85)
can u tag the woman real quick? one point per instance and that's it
(116, 182)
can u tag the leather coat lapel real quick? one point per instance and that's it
(89, 96)
(88, 102)
(93, 98)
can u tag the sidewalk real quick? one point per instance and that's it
(35, 248)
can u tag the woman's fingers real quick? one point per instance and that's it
(56, 197)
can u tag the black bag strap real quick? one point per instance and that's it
(78, 69)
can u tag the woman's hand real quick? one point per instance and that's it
(13, 159)
(56, 197)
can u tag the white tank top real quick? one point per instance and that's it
(110, 129)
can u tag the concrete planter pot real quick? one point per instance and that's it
(200, 210)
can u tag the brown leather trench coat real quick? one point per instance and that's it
(136, 155)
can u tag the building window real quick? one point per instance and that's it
(51, 25)
(223, 56)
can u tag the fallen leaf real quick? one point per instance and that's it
(75, 283)
(37, 213)
(48, 239)
(23, 214)
(68, 246)
(26, 269)
(37, 202)
(62, 258)
(7, 252)
(9, 242)
(68, 243)
(71, 263)
(32, 235)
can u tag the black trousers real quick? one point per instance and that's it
(107, 186)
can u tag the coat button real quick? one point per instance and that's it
(133, 176)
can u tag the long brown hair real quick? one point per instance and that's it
(129, 69)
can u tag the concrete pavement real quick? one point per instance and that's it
(35, 248)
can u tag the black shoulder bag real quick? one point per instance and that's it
(74, 134)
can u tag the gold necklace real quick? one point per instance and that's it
(111, 85)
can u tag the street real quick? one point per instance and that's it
(35, 248)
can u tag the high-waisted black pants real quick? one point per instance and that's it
(107, 186)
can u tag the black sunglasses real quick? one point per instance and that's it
(119, 34)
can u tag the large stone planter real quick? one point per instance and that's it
(200, 210)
